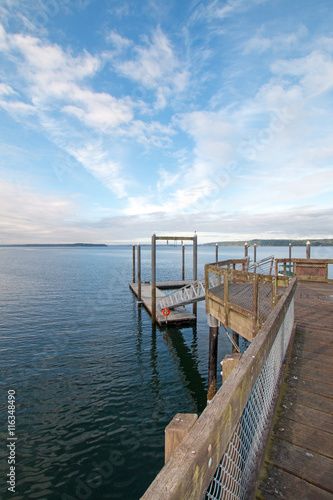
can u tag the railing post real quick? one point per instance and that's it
(176, 430)
(139, 271)
(228, 364)
(153, 278)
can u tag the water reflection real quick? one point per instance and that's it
(186, 361)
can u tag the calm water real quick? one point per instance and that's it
(95, 384)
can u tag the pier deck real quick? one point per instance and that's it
(299, 463)
(177, 315)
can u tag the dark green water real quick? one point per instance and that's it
(95, 384)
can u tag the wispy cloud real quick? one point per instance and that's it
(155, 66)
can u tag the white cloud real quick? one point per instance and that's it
(97, 162)
(155, 66)
(30, 216)
(315, 72)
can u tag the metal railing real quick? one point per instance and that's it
(218, 458)
(194, 292)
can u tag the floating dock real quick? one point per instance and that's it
(177, 315)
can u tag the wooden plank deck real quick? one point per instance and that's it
(299, 463)
(178, 315)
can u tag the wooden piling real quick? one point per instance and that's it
(217, 252)
(289, 251)
(139, 271)
(246, 248)
(195, 266)
(133, 250)
(212, 356)
(308, 250)
(255, 252)
(183, 262)
(153, 278)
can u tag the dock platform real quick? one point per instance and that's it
(178, 315)
(299, 463)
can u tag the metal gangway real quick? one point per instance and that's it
(263, 266)
(196, 290)
(186, 295)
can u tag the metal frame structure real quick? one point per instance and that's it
(155, 238)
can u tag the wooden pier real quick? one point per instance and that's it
(299, 463)
(177, 315)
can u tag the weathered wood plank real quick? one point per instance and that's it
(311, 466)
(305, 436)
(311, 386)
(314, 372)
(308, 416)
(279, 484)
(294, 395)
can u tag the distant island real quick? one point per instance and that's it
(273, 243)
(58, 245)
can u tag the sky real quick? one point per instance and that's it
(123, 118)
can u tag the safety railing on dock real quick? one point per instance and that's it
(220, 456)
(243, 300)
(305, 269)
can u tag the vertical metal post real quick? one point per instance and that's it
(183, 262)
(308, 250)
(217, 253)
(246, 249)
(139, 271)
(133, 263)
(153, 278)
(255, 252)
(195, 266)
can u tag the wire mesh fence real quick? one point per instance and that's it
(234, 474)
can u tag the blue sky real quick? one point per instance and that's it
(123, 118)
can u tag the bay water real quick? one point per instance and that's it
(95, 384)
